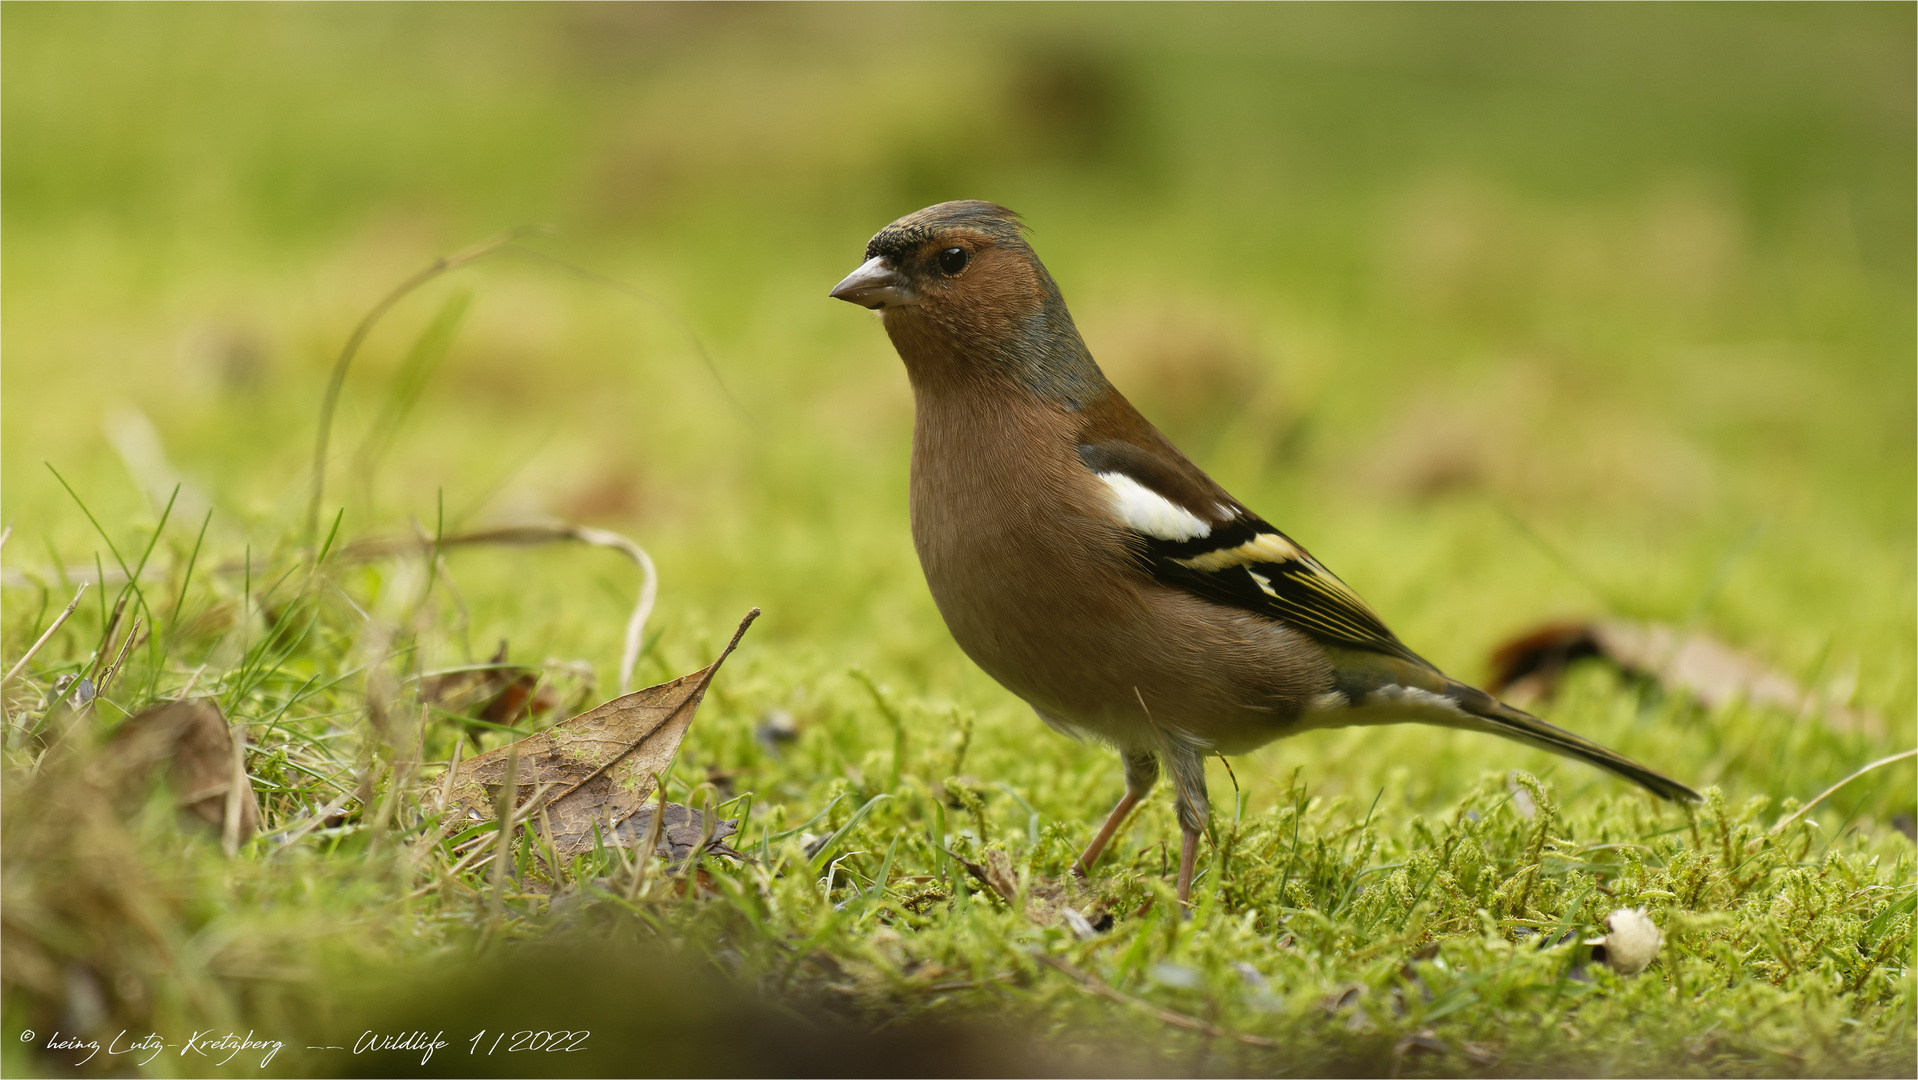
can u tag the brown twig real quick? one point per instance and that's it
(1172, 1017)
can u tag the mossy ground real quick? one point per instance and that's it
(1509, 313)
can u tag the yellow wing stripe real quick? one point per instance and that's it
(1263, 548)
(1270, 548)
(1295, 588)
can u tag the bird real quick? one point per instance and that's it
(1090, 568)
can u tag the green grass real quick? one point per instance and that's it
(1510, 313)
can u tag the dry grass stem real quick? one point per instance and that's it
(1832, 790)
(58, 621)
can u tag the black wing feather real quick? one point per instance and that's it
(1241, 560)
(1251, 565)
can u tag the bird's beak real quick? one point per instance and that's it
(874, 285)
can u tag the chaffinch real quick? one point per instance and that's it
(1088, 566)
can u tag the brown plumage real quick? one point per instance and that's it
(1092, 569)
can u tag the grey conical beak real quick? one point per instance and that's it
(874, 285)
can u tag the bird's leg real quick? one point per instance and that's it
(1106, 832)
(1188, 781)
(1188, 863)
(1141, 772)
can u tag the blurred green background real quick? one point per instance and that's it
(1510, 312)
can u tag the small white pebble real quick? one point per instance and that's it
(1632, 944)
(1177, 976)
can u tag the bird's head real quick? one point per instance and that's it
(960, 291)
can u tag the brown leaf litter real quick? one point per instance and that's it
(1528, 667)
(498, 692)
(193, 743)
(589, 777)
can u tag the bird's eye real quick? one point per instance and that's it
(954, 259)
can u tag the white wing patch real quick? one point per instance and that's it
(1145, 510)
(1263, 548)
(1265, 583)
(1413, 700)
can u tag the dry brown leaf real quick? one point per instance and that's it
(1000, 875)
(679, 835)
(591, 773)
(498, 693)
(1528, 667)
(192, 740)
(1483, 1055)
(996, 874)
(978, 873)
(1423, 1041)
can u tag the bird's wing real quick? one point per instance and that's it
(1191, 535)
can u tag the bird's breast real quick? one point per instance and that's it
(1011, 540)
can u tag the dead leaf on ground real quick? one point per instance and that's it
(498, 692)
(1484, 1055)
(1528, 667)
(998, 875)
(192, 740)
(1344, 999)
(983, 876)
(591, 774)
(1423, 1041)
(1048, 900)
(679, 834)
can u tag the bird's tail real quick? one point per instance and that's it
(1499, 718)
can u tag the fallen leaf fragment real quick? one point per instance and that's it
(591, 775)
(1044, 898)
(1000, 875)
(680, 833)
(1424, 1041)
(985, 875)
(1480, 1054)
(1342, 1000)
(1528, 667)
(192, 741)
(497, 692)
(1632, 944)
